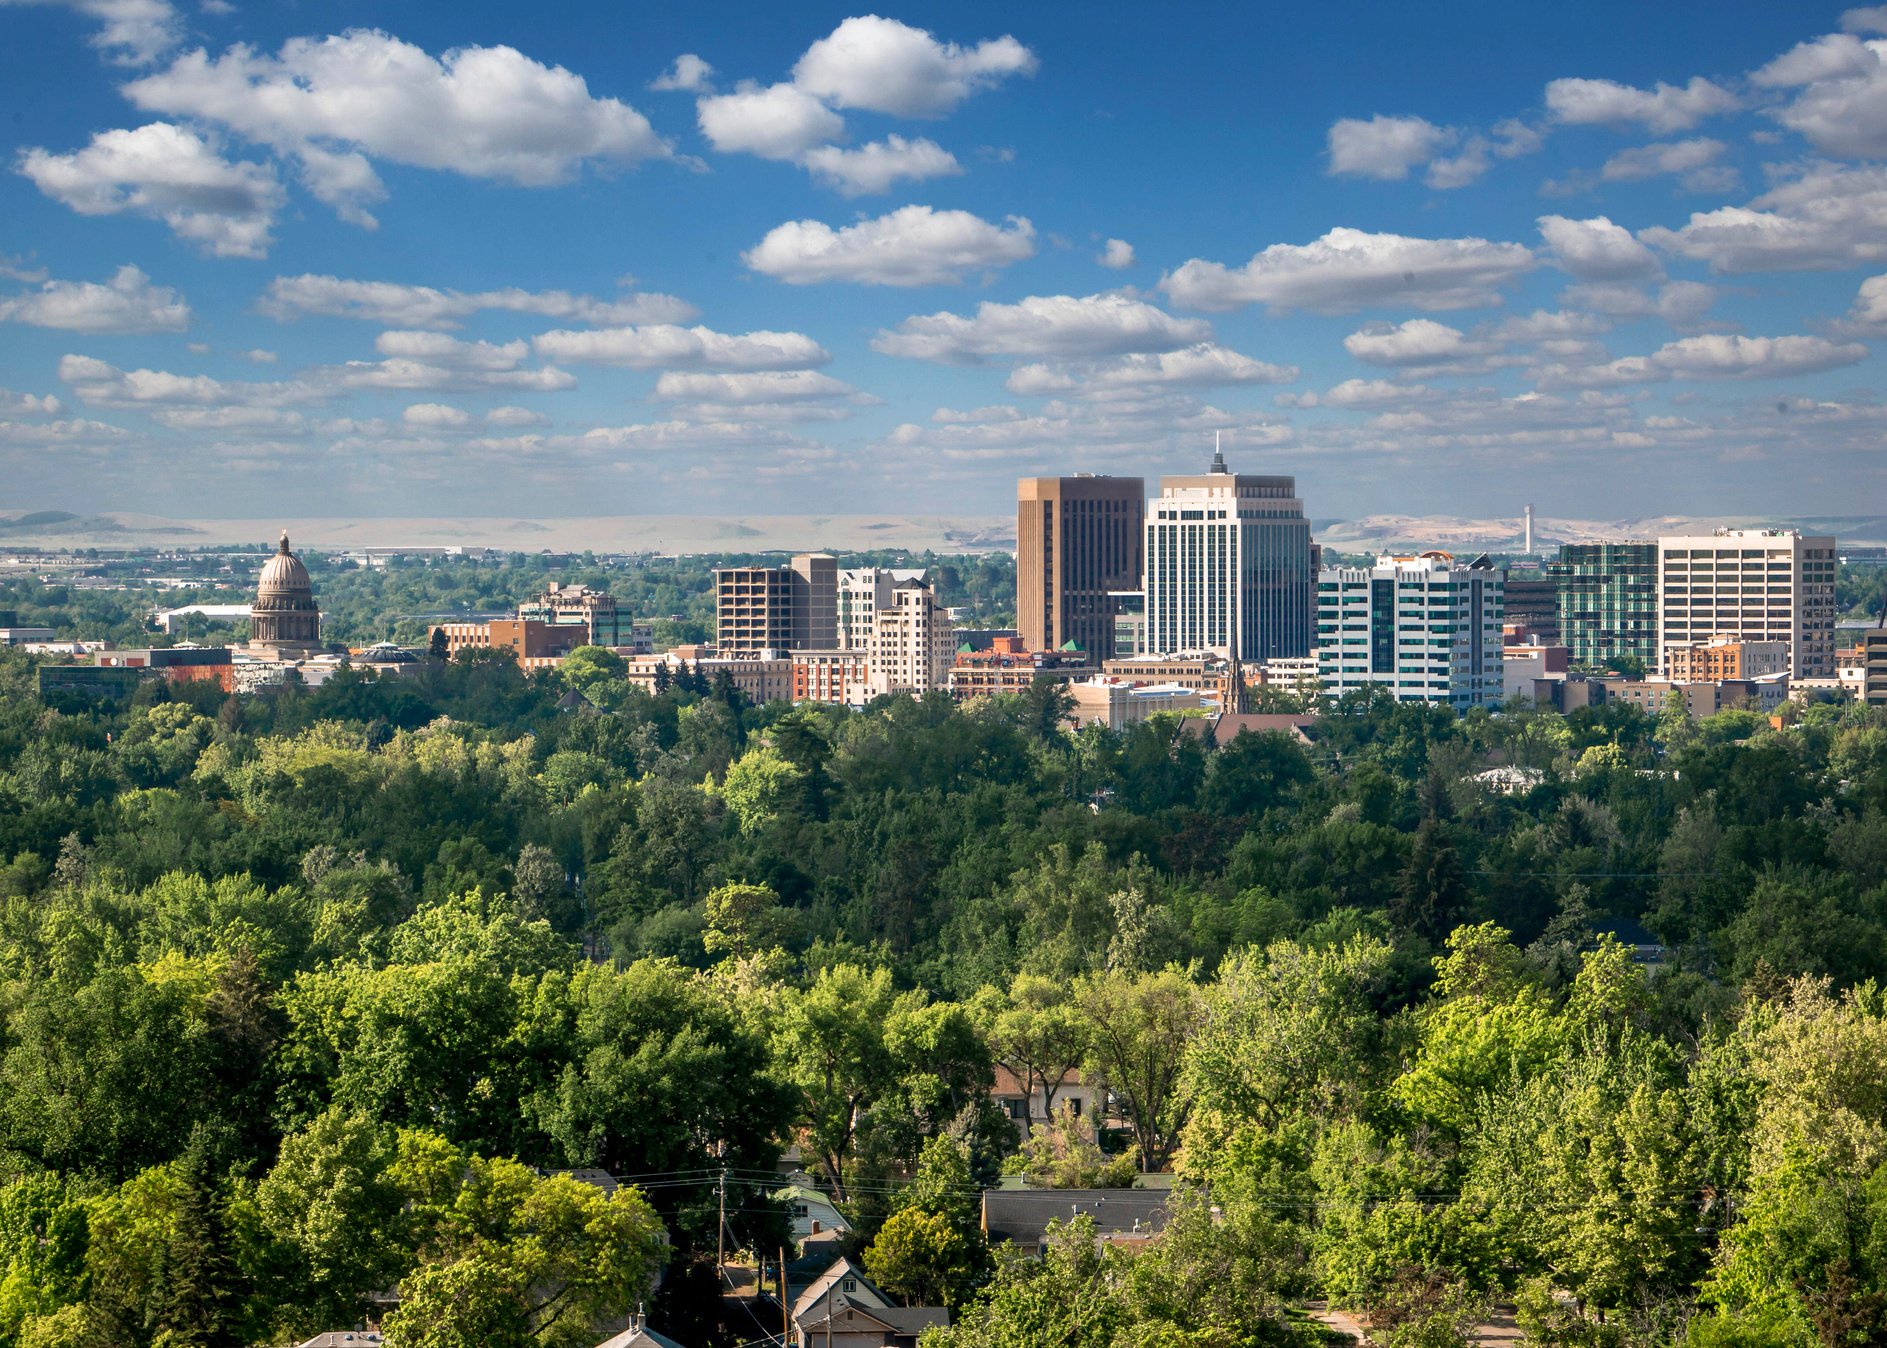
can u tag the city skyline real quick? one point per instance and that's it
(478, 261)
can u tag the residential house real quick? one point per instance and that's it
(638, 1335)
(845, 1278)
(809, 1209)
(1027, 1106)
(1121, 1216)
(850, 1326)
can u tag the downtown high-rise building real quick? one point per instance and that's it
(1078, 545)
(1229, 567)
(912, 644)
(863, 591)
(1754, 584)
(1608, 602)
(777, 608)
(1425, 628)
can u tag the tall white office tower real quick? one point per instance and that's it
(1757, 584)
(1228, 567)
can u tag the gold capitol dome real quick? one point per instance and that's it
(285, 616)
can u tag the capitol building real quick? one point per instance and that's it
(285, 621)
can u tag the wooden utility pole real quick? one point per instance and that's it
(786, 1321)
(720, 1234)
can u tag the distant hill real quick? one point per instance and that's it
(38, 518)
(682, 534)
(667, 534)
(1396, 533)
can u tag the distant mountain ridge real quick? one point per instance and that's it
(679, 534)
(1392, 533)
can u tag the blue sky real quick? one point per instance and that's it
(494, 260)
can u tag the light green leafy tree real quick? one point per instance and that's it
(1488, 1026)
(758, 785)
(923, 1257)
(1139, 1028)
(332, 1205)
(510, 1259)
(829, 1045)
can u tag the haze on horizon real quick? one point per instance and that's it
(477, 259)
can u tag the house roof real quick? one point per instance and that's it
(842, 1267)
(1023, 1215)
(1008, 1083)
(1227, 727)
(639, 1336)
(911, 1320)
(596, 1179)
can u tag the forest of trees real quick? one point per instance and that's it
(400, 600)
(309, 997)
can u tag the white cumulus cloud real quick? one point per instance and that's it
(1419, 341)
(131, 32)
(1720, 355)
(1832, 56)
(29, 404)
(126, 303)
(1349, 269)
(437, 348)
(514, 417)
(780, 121)
(881, 65)
(1663, 109)
(1679, 303)
(867, 62)
(1868, 317)
(1708, 356)
(912, 246)
(1596, 249)
(1043, 327)
(1840, 106)
(1828, 216)
(872, 168)
(666, 346)
(415, 306)
(761, 386)
(338, 102)
(689, 74)
(1694, 163)
(437, 416)
(417, 376)
(102, 384)
(1385, 148)
(1118, 254)
(168, 173)
(1206, 365)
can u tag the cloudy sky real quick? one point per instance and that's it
(484, 258)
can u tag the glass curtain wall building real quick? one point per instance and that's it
(1608, 601)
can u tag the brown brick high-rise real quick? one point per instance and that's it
(1077, 538)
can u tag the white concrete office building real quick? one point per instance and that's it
(1228, 561)
(1426, 628)
(862, 592)
(1756, 584)
(913, 643)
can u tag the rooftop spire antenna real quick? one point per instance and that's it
(1218, 455)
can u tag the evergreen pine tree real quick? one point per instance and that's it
(198, 1298)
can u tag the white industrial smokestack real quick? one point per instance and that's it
(1529, 529)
